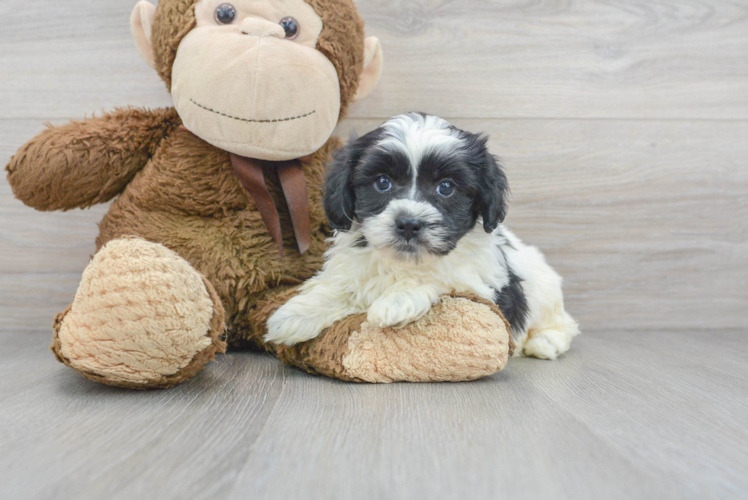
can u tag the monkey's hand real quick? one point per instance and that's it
(84, 163)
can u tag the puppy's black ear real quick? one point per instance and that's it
(340, 194)
(493, 191)
(340, 198)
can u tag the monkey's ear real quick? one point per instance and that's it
(373, 63)
(141, 23)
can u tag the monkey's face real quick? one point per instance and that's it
(249, 79)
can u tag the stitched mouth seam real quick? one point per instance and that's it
(277, 120)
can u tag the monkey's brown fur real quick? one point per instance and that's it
(325, 354)
(178, 190)
(175, 189)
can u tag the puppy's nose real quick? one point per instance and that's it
(408, 228)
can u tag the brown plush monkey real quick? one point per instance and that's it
(217, 212)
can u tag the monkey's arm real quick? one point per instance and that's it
(464, 337)
(84, 163)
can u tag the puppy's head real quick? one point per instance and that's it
(416, 185)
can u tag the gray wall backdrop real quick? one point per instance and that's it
(623, 126)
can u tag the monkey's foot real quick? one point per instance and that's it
(142, 318)
(460, 339)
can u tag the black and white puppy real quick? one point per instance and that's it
(418, 206)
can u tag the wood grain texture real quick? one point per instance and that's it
(456, 58)
(562, 59)
(622, 416)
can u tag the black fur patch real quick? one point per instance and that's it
(513, 303)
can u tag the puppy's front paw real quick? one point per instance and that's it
(547, 344)
(398, 310)
(292, 325)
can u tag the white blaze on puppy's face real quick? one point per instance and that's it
(249, 79)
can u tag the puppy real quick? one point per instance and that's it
(417, 206)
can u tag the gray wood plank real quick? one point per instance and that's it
(492, 439)
(467, 58)
(76, 439)
(624, 415)
(647, 221)
(668, 398)
(563, 59)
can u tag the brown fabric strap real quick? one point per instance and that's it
(249, 172)
(293, 181)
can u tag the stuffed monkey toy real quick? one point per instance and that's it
(217, 211)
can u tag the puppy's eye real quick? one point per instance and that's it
(291, 27)
(446, 189)
(383, 184)
(225, 13)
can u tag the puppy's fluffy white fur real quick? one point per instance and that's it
(394, 290)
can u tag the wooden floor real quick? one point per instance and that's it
(624, 129)
(625, 415)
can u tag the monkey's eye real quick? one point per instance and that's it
(225, 13)
(383, 184)
(290, 26)
(446, 189)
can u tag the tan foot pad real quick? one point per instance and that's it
(142, 318)
(462, 338)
